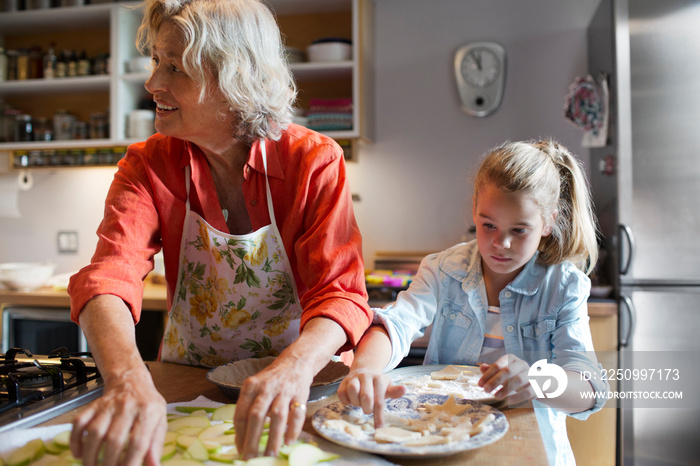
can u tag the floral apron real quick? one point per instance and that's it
(235, 298)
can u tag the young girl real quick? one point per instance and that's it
(515, 295)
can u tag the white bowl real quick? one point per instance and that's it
(25, 276)
(329, 51)
(230, 377)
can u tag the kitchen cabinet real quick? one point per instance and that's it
(111, 29)
(594, 440)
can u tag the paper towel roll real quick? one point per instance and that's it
(9, 191)
(25, 180)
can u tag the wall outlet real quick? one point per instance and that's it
(67, 241)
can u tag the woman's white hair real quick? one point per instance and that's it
(239, 41)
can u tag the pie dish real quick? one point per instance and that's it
(409, 406)
(230, 377)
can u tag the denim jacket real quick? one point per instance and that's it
(543, 315)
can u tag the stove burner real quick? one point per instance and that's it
(28, 382)
(30, 377)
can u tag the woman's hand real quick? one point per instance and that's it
(280, 391)
(510, 373)
(369, 389)
(125, 426)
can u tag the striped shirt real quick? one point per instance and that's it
(493, 347)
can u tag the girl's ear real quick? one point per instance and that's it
(547, 230)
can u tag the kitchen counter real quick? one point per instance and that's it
(522, 444)
(154, 297)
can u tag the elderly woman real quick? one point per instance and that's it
(254, 217)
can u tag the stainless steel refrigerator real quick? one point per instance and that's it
(646, 188)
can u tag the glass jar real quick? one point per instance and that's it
(42, 130)
(23, 71)
(10, 121)
(23, 128)
(52, 157)
(20, 159)
(11, 64)
(36, 158)
(90, 156)
(3, 65)
(99, 126)
(63, 125)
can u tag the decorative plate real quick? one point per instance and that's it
(408, 407)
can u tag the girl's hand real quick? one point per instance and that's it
(509, 372)
(368, 389)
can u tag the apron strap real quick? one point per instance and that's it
(187, 187)
(270, 208)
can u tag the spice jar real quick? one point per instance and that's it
(42, 130)
(3, 65)
(63, 125)
(20, 159)
(22, 64)
(10, 121)
(23, 128)
(99, 126)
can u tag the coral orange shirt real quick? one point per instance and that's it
(145, 210)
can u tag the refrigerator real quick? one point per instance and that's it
(645, 184)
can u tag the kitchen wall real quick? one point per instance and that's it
(60, 200)
(413, 177)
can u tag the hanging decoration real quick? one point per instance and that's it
(587, 107)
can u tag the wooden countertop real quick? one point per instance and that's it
(522, 444)
(154, 297)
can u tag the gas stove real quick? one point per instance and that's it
(34, 389)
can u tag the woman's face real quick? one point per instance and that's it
(508, 230)
(179, 111)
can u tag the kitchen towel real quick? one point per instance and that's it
(11, 440)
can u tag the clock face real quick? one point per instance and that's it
(480, 67)
(480, 70)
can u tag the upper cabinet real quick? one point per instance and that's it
(98, 100)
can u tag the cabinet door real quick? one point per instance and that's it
(594, 440)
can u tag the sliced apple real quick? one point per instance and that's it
(306, 454)
(266, 461)
(224, 413)
(63, 439)
(181, 462)
(197, 451)
(31, 451)
(52, 448)
(215, 431)
(170, 437)
(229, 457)
(224, 440)
(186, 421)
(193, 409)
(194, 431)
(169, 451)
(184, 441)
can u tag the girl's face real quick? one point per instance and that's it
(179, 112)
(508, 230)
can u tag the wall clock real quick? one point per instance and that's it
(480, 70)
